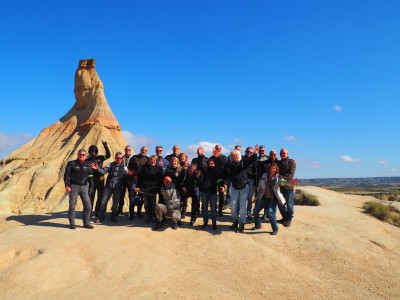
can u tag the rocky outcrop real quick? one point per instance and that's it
(31, 177)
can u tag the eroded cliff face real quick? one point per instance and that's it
(31, 177)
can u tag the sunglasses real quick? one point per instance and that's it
(82, 154)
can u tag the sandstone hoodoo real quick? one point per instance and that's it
(31, 177)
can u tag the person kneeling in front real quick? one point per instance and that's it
(170, 208)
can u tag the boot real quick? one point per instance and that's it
(139, 212)
(204, 225)
(214, 226)
(131, 212)
(234, 225)
(183, 213)
(158, 225)
(88, 226)
(241, 227)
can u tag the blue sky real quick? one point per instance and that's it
(320, 78)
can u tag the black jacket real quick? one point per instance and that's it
(201, 162)
(287, 168)
(177, 175)
(79, 173)
(99, 159)
(237, 172)
(116, 173)
(260, 167)
(211, 180)
(150, 179)
(220, 162)
(137, 162)
(190, 182)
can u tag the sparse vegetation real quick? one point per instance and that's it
(302, 198)
(383, 212)
(381, 192)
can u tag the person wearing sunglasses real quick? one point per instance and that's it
(78, 174)
(116, 171)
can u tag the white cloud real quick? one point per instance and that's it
(137, 141)
(348, 159)
(382, 162)
(337, 107)
(10, 142)
(237, 140)
(290, 138)
(191, 150)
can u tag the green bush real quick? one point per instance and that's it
(302, 198)
(383, 212)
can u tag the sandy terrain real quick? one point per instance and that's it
(333, 251)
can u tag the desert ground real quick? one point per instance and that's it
(332, 251)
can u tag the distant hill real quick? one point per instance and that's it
(365, 181)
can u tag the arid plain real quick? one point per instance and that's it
(332, 251)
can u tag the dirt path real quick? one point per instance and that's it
(332, 251)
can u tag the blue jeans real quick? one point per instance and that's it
(212, 199)
(239, 198)
(250, 183)
(287, 211)
(270, 206)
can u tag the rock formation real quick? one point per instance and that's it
(31, 177)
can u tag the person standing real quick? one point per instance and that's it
(175, 153)
(134, 167)
(268, 195)
(189, 185)
(201, 162)
(287, 168)
(237, 172)
(260, 165)
(98, 179)
(184, 163)
(126, 182)
(149, 181)
(116, 171)
(250, 181)
(161, 161)
(211, 183)
(221, 161)
(78, 174)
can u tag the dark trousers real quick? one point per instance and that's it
(149, 205)
(99, 187)
(184, 201)
(126, 185)
(221, 201)
(195, 205)
(135, 199)
(108, 192)
(270, 206)
(83, 192)
(288, 209)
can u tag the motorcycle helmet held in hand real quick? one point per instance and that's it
(93, 150)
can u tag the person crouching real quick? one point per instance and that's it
(170, 208)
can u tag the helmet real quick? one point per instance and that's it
(93, 150)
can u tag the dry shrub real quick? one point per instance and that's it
(302, 198)
(386, 213)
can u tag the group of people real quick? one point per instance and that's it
(239, 181)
